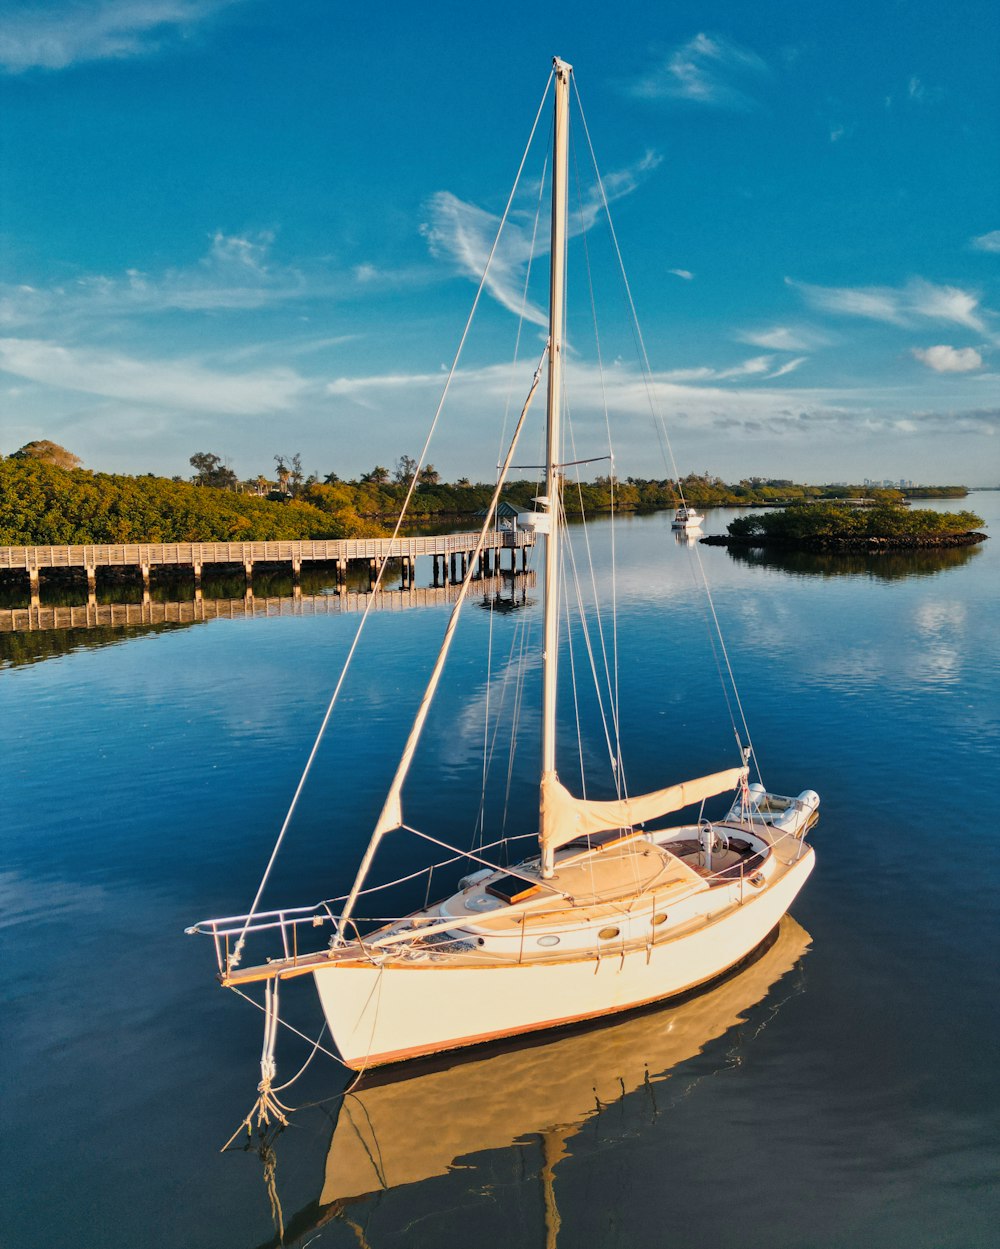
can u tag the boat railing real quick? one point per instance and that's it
(231, 931)
(226, 931)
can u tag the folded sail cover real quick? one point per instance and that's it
(564, 818)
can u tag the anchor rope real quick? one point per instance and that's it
(267, 1103)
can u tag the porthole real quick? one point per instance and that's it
(607, 933)
(548, 941)
(660, 918)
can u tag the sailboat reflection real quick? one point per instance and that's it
(519, 1097)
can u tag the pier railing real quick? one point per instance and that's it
(147, 554)
(451, 553)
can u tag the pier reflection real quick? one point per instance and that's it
(66, 626)
(885, 566)
(509, 1117)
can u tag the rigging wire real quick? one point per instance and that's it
(519, 688)
(487, 747)
(391, 815)
(661, 427)
(612, 682)
(571, 651)
(613, 752)
(238, 950)
(612, 484)
(513, 665)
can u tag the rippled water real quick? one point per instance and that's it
(839, 1092)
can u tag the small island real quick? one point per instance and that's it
(828, 526)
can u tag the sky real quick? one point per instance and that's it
(256, 228)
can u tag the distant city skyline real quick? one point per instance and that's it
(252, 228)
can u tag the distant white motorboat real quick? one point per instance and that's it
(608, 908)
(686, 518)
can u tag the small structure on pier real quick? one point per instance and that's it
(506, 518)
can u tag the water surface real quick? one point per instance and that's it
(840, 1094)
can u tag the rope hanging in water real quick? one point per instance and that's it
(267, 1105)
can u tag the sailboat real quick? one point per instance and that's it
(611, 908)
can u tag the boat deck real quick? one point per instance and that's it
(630, 886)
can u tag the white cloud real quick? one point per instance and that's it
(944, 303)
(987, 242)
(920, 93)
(182, 384)
(697, 404)
(686, 274)
(464, 234)
(749, 368)
(876, 303)
(944, 359)
(788, 367)
(755, 367)
(65, 34)
(784, 338)
(705, 70)
(896, 305)
(237, 273)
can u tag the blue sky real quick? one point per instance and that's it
(249, 227)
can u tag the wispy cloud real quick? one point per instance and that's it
(464, 233)
(686, 274)
(987, 242)
(694, 401)
(873, 302)
(761, 367)
(788, 367)
(918, 92)
(706, 70)
(182, 384)
(785, 338)
(945, 359)
(902, 306)
(65, 33)
(237, 273)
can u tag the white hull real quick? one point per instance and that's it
(386, 1013)
(686, 520)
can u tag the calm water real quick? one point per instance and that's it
(843, 1091)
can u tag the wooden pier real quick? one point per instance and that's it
(451, 554)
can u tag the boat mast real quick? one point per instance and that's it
(553, 479)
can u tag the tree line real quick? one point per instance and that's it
(47, 498)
